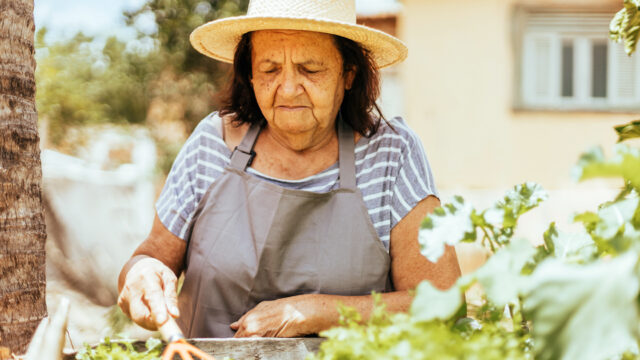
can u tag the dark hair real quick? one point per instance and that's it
(358, 104)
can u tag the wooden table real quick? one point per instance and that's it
(254, 349)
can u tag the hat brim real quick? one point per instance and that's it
(218, 39)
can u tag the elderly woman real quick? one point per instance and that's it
(296, 196)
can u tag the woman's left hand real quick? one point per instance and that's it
(287, 317)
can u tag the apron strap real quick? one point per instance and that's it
(243, 154)
(347, 159)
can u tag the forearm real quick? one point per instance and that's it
(162, 245)
(327, 314)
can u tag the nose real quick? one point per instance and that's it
(290, 85)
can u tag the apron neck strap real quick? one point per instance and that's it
(243, 154)
(347, 159)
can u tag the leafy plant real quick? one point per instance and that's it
(576, 296)
(404, 336)
(121, 350)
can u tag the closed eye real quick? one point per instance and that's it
(310, 71)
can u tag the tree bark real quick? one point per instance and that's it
(22, 227)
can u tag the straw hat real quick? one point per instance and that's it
(218, 38)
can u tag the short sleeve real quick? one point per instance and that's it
(200, 161)
(414, 180)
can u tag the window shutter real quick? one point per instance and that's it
(538, 68)
(541, 67)
(625, 76)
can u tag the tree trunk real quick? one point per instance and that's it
(22, 229)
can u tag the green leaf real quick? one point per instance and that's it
(574, 247)
(447, 225)
(625, 26)
(588, 218)
(431, 303)
(584, 311)
(549, 236)
(521, 199)
(615, 232)
(501, 277)
(504, 215)
(624, 164)
(628, 131)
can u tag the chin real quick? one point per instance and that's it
(294, 126)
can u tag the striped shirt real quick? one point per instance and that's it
(392, 174)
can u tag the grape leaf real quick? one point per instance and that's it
(625, 164)
(583, 311)
(615, 228)
(447, 225)
(628, 131)
(575, 247)
(501, 276)
(625, 26)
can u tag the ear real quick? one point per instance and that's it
(349, 76)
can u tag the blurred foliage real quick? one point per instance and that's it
(625, 26)
(118, 321)
(176, 19)
(156, 79)
(78, 85)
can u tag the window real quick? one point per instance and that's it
(568, 63)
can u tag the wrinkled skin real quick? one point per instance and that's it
(149, 294)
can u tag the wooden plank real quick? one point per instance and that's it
(260, 348)
(250, 348)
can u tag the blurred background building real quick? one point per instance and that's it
(500, 92)
(507, 91)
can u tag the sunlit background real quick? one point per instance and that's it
(500, 92)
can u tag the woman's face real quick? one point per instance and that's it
(299, 84)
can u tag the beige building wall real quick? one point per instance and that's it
(458, 86)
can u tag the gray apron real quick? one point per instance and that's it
(253, 240)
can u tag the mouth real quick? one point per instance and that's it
(290, 108)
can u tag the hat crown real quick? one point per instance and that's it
(331, 10)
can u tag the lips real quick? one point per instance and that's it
(290, 107)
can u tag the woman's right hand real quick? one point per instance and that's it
(149, 293)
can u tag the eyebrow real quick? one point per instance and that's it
(304, 63)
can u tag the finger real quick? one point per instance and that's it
(140, 314)
(241, 328)
(123, 303)
(237, 325)
(239, 334)
(154, 298)
(169, 283)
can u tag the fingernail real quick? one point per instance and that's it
(175, 311)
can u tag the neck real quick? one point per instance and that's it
(287, 159)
